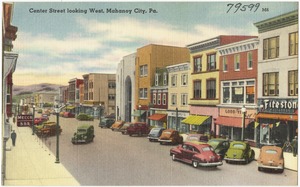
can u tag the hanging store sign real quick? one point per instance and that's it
(280, 106)
(24, 120)
(236, 112)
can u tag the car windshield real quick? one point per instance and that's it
(271, 151)
(208, 148)
(81, 130)
(155, 131)
(238, 146)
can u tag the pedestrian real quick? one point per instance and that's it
(13, 137)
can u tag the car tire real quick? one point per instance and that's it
(227, 161)
(281, 170)
(123, 133)
(173, 157)
(259, 169)
(130, 134)
(195, 164)
(160, 143)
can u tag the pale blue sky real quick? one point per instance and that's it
(56, 47)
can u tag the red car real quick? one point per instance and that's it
(138, 128)
(40, 120)
(69, 115)
(196, 154)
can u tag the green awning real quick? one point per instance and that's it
(70, 107)
(195, 120)
(138, 112)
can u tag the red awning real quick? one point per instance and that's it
(232, 122)
(158, 117)
(284, 117)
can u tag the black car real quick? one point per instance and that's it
(155, 133)
(220, 146)
(106, 122)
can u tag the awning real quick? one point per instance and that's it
(283, 117)
(158, 117)
(138, 112)
(195, 120)
(232, 122)
(70, 107)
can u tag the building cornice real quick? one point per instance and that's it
(278, 22)
(178, 67)
(204, 45)
(237, 47)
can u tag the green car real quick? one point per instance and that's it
(239, 152)
(84, 134)
(220, 146)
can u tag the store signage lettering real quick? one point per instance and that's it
(279, 105)
(24, 120)
(236, 112)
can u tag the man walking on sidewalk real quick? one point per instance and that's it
(13, 137)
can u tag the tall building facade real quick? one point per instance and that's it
(125, 80)
(148, 58)
(277, 120)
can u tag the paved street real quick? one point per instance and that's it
(116, 159)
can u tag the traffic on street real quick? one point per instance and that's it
(116, 159)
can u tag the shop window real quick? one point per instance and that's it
(293, 43)
(237, 94)
(293, 83)
(226, 95)
(271, 84)
(271, 48)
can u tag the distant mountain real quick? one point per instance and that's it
(43, 87)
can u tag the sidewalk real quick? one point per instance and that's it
(30, 163)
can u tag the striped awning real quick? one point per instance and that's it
(158, 117)
(195, 120)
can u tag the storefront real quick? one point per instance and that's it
(199, 123)
(277, 121)
(180, 115)
(230, 123)
(158, 120)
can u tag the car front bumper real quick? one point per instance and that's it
(212, 164)
(269, 167)
(235, 159)
(160, 140)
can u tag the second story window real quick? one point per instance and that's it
(154, 98)
(293, 83)
(293, 43)
(112, 85)
(143, 93)
(174, 80)
(197, 89)
(143, 70)
(159, 99)
(211, 62)
(165, 79)
(225, 63)
(164, 99)
(271, 48)
(197, 64)
(237, 62)
(173, 99)
(184, 79)
(249, 60)
(271, 84)
(156, 79)
(184, 99)
(211, 89)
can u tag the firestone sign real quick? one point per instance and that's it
(24, 120)
(287, 106)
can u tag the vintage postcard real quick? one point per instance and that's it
(173, 93)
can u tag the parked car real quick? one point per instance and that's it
(117, 125)
(196, 154)
(123, 129)
(48, 129)
(39, 111)
(69, 115)
(106, 122)
(138, 128)
(220, 146)
(84, 134)
(240, 152)
(271, 157)
(170, 136)
(40, 120)
(155, 133)
(197, 138)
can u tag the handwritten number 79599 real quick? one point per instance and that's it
(241, 7)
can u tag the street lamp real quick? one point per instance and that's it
(33, 110)
(244, 110)
(100, 110)
(140, 112)
(57, 135)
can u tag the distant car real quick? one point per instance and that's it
(117, 125)
(48, 129)
(40, 120)
(239, 152)
(220, 146)
(106, 122)
(40, 111)
(197, 138)
(155, 133)
(196, 154)
(84, 134)
(138, 128)
(123, 129)
(170, 136)
(271, 157)
(69, 115)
